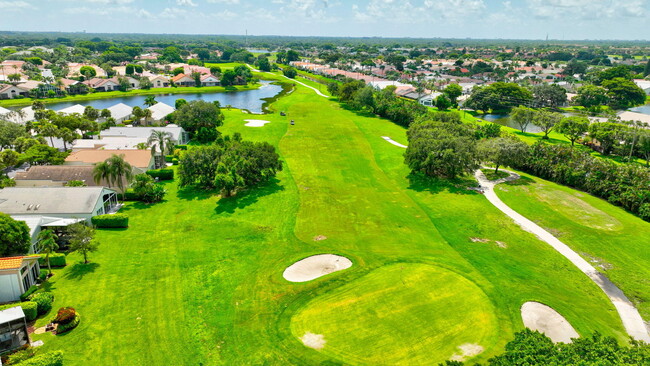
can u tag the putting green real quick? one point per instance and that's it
(402, 313)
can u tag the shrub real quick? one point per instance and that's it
(56, 260)
(180, 147)
(30, 309)
(62, 328)
(117, 220)
(43, 301)
(54, 358)
(21, 356)
(168, 158)
(64, 315)
(129, 195)
(161, 174)
(27, 293)
(175, 161)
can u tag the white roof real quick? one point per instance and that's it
(50, 200)
(109, 143)
(47, 73)
(4, 111)
(36, 221)
(141, 133)
(77, 108)
(11, 314)
(120, 111)
(643, 84)
(634, 116)
(160, 111)
(28, 115)
(381, 84)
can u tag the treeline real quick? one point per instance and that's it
(446, 148)
(534, 348)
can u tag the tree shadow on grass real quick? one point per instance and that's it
(136, 205)
(78, 270)
(193, 193)
(422, 183)
(248, 197)
(522, 181)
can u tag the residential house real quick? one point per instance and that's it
(36, 223)
(8, 91)
(21, 116)
(13, 329)
(121, 112)
(103, 85)
(56, 176)
(179, 135)
(60, 202)
(77, 108)
(159, 81)
(643, 84)
(140, 160)
(160, 110)
(183, 80)
(209, 80)
(17, 275)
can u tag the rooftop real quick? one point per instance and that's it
(137, 158)
(11, 314)
(13, 262)
(49, 200)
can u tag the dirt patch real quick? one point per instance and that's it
(479, 240)
(466, 351)
(315, 341)
(501, 244)
(597, 262)
(319, 237)
(315, 266)
(545, 319)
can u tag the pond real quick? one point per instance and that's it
(504, 120)
(251, 100)
(642, 109)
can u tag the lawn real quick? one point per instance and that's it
(117, 94)
(613, 240)
(198, 279)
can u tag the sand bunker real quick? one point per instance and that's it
(315, 266)
(315, 341)
(255, 122)
(544, 319)
(467, 350)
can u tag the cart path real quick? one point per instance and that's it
(394, 142)
(294, 80)
(632, 320)
(630, 317)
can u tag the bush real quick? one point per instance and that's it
(21, 356)
(30, 309)
(175, 161)
(56, 260)
(161, 174)
(117, 220)
(130, 195)
(62, 328)
(27, 293)
(180, 147)
(43, 301)
(46, 359)
(168, 158)
(64, 315)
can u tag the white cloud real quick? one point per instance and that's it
(185, 3)
(15, 5)
(226, 2)
(173, 13)
(117, 2)
(587, 9)
(224, 15)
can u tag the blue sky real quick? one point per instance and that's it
(525, 19)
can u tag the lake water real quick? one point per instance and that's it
(257, 50)
(642, 109)
(504, 120)
(250, 100)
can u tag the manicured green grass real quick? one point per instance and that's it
(613, 240)
(198, 279)
(492, 175)
(117, 94)
(379, 318)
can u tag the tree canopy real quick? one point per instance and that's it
(14, 236)
(201, 119)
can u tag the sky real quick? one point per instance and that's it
(524, 19)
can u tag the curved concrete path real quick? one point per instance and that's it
(294, 80)
(394, 142)
(630, 316)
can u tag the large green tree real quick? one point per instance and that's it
(502, 151)
(623, 93)
(523, 116)
(549, 95)
(547, 121)
(82, 240)
(14, 236)
(591, 97)
(573, 127)
(201, 119)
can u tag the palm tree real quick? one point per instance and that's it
(102, 171)
(150, 100)
(164, 141)
(147, 114)
(48, 130)
(47, 244)
(120, 170)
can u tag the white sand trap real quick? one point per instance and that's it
(467, 350)
(546, 320)
(315, 341)
(315, 266)
(256, 122)
(394, 142)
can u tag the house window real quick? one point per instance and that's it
(26, 283)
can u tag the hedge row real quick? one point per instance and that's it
(117, 220)
(43, 301)
(54, 358)
(161, 174)
(56, 260)
(30, 309)
(28, 293)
